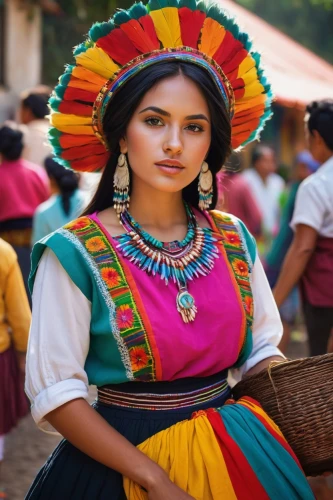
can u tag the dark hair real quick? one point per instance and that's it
(11, 143)
(258, 152)
(66, 180)
(128, 98)
(37, 103)
(321, 119)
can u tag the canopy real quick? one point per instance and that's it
(298, 76)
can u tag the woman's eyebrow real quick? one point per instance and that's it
(165, 113)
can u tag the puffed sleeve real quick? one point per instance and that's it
(58, 341)
(267, 327)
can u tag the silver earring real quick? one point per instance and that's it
(121, 183)
(205, 187)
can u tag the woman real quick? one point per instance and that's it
(152, 300)
(65, 204)
(23, 187)
(15, 319)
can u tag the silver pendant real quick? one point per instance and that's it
(186, 306)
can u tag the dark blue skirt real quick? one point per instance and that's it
(70, 474)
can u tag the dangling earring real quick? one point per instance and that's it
(205, 187)
(121, 182)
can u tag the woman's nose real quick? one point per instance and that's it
(173, 141)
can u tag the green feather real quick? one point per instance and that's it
(99, 30)
(202, 6)
(53, 137)
(121, 17)
(54, 103)
(161, 4)
(190, 4)
(138, 10)
(83, 47)
(60, 91)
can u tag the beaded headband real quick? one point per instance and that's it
(192, 31)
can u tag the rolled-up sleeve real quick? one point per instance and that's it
(267, 327)
(58, 341)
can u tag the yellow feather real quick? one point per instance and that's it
(61, 119)
(76, 130)
(212, 35)
(250, 76)
(97, 61)
(88, 76)
(246, 65)
(242, 105)
(255, 88)
(167, 26)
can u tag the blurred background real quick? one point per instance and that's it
(295, 39)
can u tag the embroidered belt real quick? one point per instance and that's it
(151, 401)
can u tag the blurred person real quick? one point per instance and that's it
(23, 187)
(266, 187)
(66, 202)
(14, 328)
(310, 256)
(305, 165)
(235, 197)
(32, 113)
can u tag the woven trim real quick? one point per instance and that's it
(107, 298)
(241, 264)
(128, 323)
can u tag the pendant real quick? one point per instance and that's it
(186, 305)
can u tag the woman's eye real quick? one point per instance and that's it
(154, 122)
(194, 128)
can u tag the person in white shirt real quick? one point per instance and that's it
(266, 187)
(33, 112)
(310, 257)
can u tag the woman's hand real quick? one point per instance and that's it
(164, 489)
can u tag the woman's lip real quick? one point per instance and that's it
(169, 169)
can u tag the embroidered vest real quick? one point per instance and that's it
(95, 267)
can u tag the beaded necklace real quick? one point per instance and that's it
(177, 261)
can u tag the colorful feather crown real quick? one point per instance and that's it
(190, 30)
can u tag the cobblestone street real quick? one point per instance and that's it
(27, 448)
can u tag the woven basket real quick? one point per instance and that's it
(298, 396)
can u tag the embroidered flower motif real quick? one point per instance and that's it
(139, 358)
(78, 224)
(248, 301)
(95, 244)
(111, 277)
(125, 317)
(232, 238)
(240, 267)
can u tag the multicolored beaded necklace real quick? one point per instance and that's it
(177, 261)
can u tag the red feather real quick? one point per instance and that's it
(235, 61)
(74, 108)
(118, 46)
(83, 151)
(69, 140)
(239, 93)
(72, 94)
(228, 47)
(148, 26)
(140, 39)
(191, 23)
(90, 164)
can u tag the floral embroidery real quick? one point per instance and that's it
(78, 224)
(125, 317)
(143, 357)
(95, 244)
(248, 300)
(111, 277)
(240, 267)
(232, 238)
(139, 358)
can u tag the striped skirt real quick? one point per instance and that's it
(211, 447)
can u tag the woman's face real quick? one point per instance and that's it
(169, 135)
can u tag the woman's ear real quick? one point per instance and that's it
(123, 145)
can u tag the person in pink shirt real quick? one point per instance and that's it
(23, 187)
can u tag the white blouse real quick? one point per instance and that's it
(59, 337)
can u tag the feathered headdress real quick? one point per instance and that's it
(189, 30)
